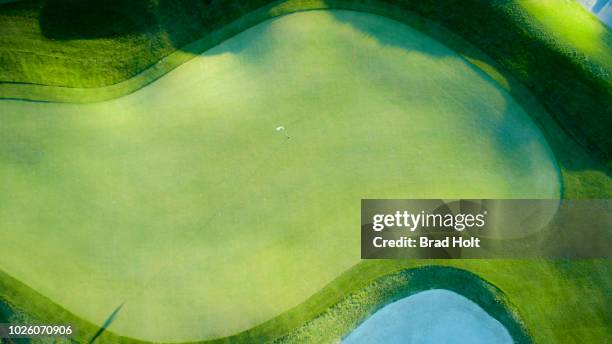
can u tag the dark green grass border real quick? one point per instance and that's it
(393, 287)
(585, 171)
(579, 294)
(583, 177)
(353, 309)
(575, 88)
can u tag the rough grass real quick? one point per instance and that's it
(567, 66)
(97, 43)
(570, 76)
(117, 176)
(549, 301)
(555, 302)
(539, 57)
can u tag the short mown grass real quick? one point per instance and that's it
(568, 72)
(557, 49)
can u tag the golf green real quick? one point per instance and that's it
(186, 202)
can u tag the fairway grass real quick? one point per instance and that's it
(553, 301)
(183, 203)
(556, 49)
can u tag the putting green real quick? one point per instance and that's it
(183, 200)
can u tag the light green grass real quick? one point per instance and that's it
(49, 51)
(535, 57)
(555, 301)
(160, 197)
(573, 28)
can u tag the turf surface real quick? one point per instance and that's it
(555, 301)
(157, 199)
(554, 47)
(567, 67)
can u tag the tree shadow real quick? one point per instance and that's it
(91, 19)
(569, 94)
(550, 87)
(185, 21)
(181, 22)
(378, 30)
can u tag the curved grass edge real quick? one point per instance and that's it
(15, 293)
(341, 305)
(68, 94)
(584, 174)
(353, 307)
(22, 302)
(573, 84)
(404, 283)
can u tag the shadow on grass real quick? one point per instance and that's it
(92, 19)
(565, 85)
(6, 315)
(107, 323)
(179, 21)
(543, 79)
